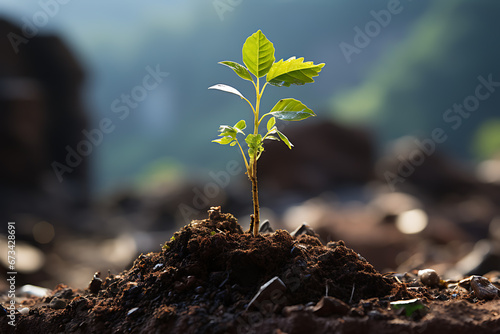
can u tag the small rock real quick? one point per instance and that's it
(303, 229)
(482, 288)
(24, 311)
(429, 277)
(96, 283)
(32, 290)
(64, 294)
(57, 304)
(265, 227)
(270, 292)
(328, 306)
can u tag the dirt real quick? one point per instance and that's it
(205, 278)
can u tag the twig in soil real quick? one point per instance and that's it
(251, 224)
(352, 292)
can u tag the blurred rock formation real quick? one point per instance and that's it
(41, 114)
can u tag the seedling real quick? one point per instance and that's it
(258, 56)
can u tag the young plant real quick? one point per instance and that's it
(258, 56)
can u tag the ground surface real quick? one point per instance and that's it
(208, 278)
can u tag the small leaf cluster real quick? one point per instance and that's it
(258, 57)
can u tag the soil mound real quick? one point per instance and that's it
(212, 277)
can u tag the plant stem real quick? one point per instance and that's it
(253, 165)
(255, 197)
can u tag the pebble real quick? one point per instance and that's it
(482, 287)
(96, 283)
(328, 306)
(57, 304)
(24, 311)
(265, 227)
(303, 229)
(272, 291)
(64, 294)
(429, 277)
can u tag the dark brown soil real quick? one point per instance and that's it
(204, 279)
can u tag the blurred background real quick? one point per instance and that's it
(106, 128)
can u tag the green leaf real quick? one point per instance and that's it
(258, 54)
(241, 125)
(284, 139)
(293, 71)
(223, 140)
(253, 140)
(226, 88)
(271, 123)
(410, 306)
(227, 131)
(272, 137)
(291, 110)
(254, 143)
(239, 69)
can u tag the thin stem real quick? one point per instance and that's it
(253, 163)
(263, 87)
(260, 120)
(255, 197)
(243, 154)
(251, 106)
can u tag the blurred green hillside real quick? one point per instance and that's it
(436, 66)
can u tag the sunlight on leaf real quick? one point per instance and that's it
(293, 71)
(284, 139)
(241, 125)
(291, 110)
(239, 69)
(228, 89)
(258, 54)
(271, 123)
(223, 140)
